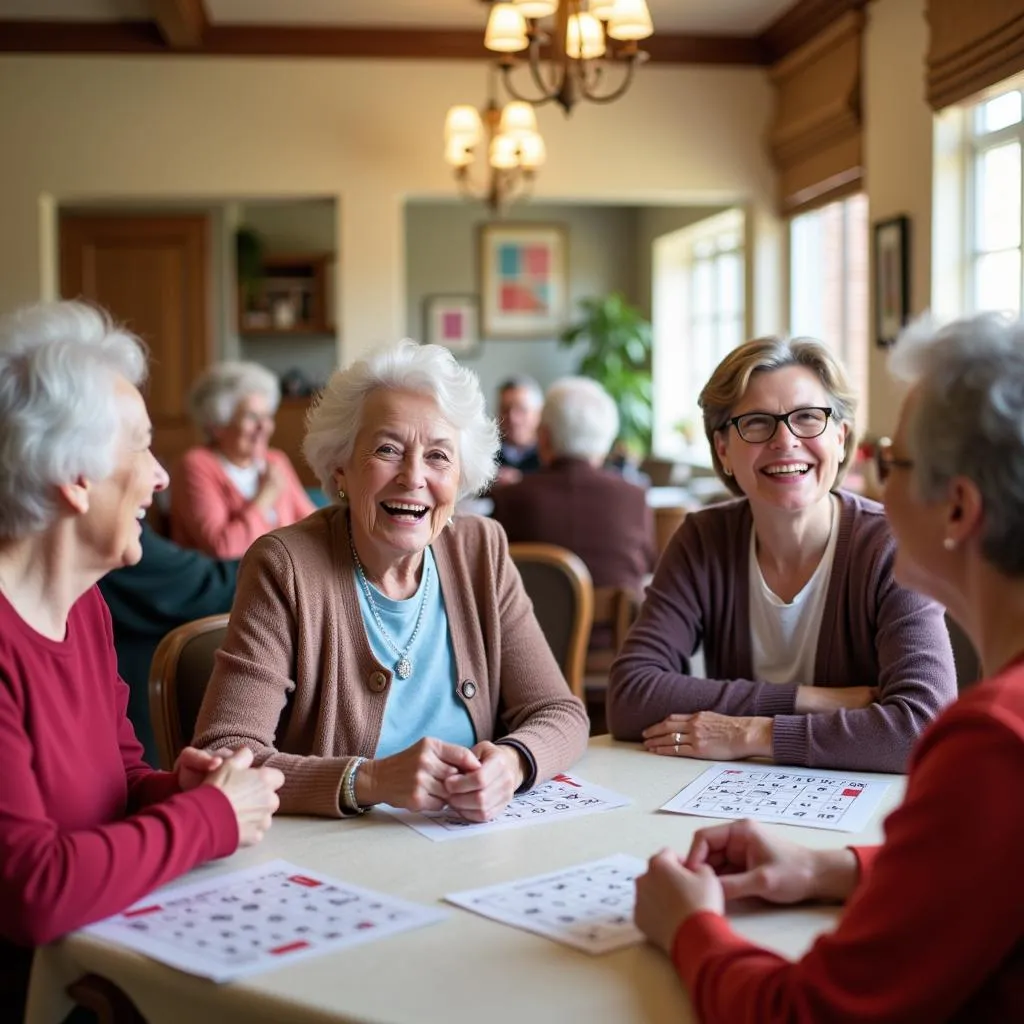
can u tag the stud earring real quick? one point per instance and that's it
(341, 494)
(727, 471)
(949, 544)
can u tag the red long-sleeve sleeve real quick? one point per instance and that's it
(935, 928)
(71, 849)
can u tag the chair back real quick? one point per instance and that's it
(181, 668)
(615, 609)
(667, 519)
(559, 585)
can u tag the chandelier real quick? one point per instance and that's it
(588, 36)
(508, 138)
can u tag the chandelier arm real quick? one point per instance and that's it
(536, 101)
(609, 97)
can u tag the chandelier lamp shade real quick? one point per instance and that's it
(568, 57)
(508, 139)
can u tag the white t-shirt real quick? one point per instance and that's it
(247, 482)
(785, 636)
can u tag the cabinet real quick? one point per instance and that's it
(293, 296)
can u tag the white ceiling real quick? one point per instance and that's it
(730, 17)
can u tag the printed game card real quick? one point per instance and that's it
(256, 919)
(588, 907)
(563, 796)
(789, 796)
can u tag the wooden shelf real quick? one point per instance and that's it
(300, 330)
(299, 282)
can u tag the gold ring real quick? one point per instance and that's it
(677, 738)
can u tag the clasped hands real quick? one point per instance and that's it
(476, 782)
(717, 737)
(735, 861)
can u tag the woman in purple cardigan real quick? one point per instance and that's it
(815, 655)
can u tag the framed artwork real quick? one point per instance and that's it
(523, 280)
(892, 278)
(452, 321)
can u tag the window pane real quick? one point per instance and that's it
(730, 284)
(997, 281)
(703, 297)
(998, 200)
(999, 112)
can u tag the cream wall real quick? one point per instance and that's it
(367, 133)
(898, 163)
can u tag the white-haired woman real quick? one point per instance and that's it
(86, 827)
(573, 501)
(235, 488)
(380, 651)
(934, 928)
(815, 654)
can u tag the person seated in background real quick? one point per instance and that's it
(815, 654)
(901, 952)
(86, 827)
(235, 488)
(519, 403)
(381, 651)
(573, 501)
(168, 586)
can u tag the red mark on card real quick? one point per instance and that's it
(309, 883)
(852, 792)
(291, 947)
(567, 780)
(151, 909)
(733, 771)
(366, 924)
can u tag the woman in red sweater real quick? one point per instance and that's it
(86, 827)
(934, 924)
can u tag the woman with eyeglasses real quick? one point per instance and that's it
(235, 488)
(815, 655)
(933, 929)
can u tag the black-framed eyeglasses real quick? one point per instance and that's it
(759, 427)
(886, 462)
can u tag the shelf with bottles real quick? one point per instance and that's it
(292, 296)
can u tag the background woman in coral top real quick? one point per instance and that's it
(86, 827)
(234, 489)
(934, 927)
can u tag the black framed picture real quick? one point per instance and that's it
(892, 278)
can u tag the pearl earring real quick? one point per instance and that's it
(341, 494)
(949, 544)
(727, 471)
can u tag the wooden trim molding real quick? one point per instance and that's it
(801, 23)
(172, 34)
(972, 46)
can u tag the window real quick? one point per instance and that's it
(992, 226)
(699, 316)
(828, 282)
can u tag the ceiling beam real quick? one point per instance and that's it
(800, 23)
(329, 41)
(182, 23)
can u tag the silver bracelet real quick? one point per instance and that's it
(348, 786)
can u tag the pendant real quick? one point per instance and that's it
(403, 669)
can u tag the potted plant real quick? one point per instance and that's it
(249, 265)
(618, 357)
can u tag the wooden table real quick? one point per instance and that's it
(466, 969)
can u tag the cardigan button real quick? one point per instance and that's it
(378, 682)
(468, 689)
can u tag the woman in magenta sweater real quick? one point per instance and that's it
(934, 928)
(236, 488)
(86, 827)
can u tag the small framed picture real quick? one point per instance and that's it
(452, 321)
(892, 278)
(523, 280)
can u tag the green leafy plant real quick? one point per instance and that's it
(618, 357)
(249, 262)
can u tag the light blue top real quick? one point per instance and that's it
(426, 703)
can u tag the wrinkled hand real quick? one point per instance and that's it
(711, 735)
(669, 893)
(483, 794)
(752, 863)
(817, 699)
(415, 777)
(272, 483)
(251, 791)
(193, 765)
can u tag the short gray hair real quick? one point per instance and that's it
(335, 418)
(523, 382)
(968, 420)
(59, 420)
(580, 417)
(216, 392)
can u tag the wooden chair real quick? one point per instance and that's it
(559, 585)
(108, 1002)
(615, 609)
(667, 519)
(181, 668)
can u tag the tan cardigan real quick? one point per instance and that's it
(297, 682)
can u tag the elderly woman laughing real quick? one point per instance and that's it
(380, 651)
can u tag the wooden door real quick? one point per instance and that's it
(151, 273)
